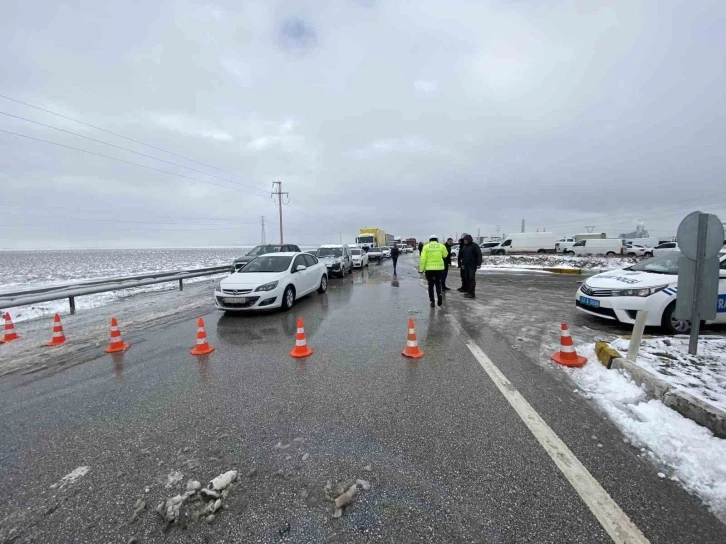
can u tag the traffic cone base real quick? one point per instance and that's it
(9, 332)
(202, 347)
(412, 349)
(117, 344)
(58, 335)
(567, 356)
(301, 348)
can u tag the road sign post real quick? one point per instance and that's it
(700, 238)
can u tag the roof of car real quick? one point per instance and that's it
(282, 254)
(332, 245)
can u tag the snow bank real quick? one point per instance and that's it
(703, 376)
(559, 261)
(688, 453)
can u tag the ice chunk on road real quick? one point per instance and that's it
(223, 480)
(71, 477)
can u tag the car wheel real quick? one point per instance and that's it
(632, 255)
(541, 251)
(649, 254)
(610, 254)
(672, 325)
(323, 284)
(288, 298)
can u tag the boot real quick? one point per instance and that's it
(469, 295)
(432, 303)
(440, 301)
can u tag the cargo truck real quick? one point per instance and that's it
(369, 238)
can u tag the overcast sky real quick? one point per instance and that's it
(416, 117)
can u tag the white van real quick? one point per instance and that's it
(526, 242)
(564, 245)
(599, 246)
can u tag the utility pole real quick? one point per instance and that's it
(262, 221)
(279, 194)
(522, 225)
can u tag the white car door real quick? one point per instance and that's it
(314, 272)
(299, 278)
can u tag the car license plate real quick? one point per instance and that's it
(590, 302)
(236, 300)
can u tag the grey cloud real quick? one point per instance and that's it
(415, 117)
(297, 35)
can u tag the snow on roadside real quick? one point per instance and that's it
(703, 376)
(688, 453)
(559, 261)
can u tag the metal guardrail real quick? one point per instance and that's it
(73, 290)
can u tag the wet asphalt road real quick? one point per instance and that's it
(451, 461)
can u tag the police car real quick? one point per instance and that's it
(651, 285)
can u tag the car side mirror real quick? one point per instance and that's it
(300, 268)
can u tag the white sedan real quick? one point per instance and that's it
(652, 286)
(665, 248)
(360, 257)
(272, 281)
(635, 250)
(386, 252)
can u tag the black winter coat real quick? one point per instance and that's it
(470, 254)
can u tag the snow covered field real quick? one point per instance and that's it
(558, 261)
(703, 376)
(21, 270)
(684, 451)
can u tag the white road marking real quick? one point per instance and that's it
(616, 522)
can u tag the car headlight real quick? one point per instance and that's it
(268, 286)
(642, 292)
(219, 287)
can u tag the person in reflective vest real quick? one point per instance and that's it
(432, 264)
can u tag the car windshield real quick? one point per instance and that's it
(324, 252)
(374, 250)
(267, 264)
(662, 264)
(355, 251)
(365, 239)
(261, 250)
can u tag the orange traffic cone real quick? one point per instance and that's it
(301, 348)
(10, 333)
(412, 344)
(117, 344)
(202, 347)
(58, 336)
(567, 355)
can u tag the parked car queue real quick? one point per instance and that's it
(273, 276)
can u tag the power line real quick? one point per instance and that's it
(125, 161)
(145, 229)
(199, 220)
(130, 151)
(127, 138)
(114, 220)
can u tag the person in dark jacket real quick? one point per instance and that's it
(394, 257)
(470, 257)
(463, 288)
(447, 264)
(420, 247)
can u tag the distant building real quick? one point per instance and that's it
(639, 232)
